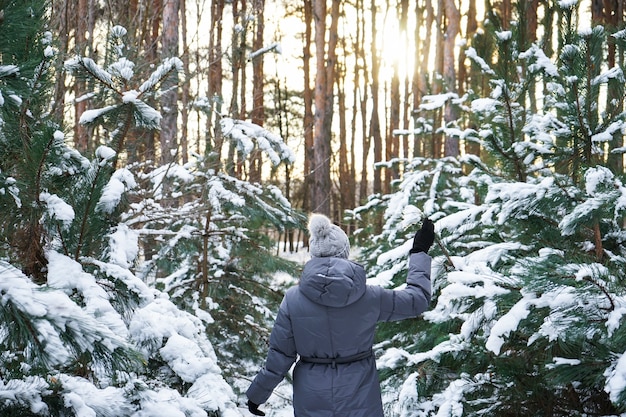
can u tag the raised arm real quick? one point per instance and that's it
(414, 299)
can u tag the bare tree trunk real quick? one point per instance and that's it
(436, 150)
(215, 71)
(283, 126)
(612, 19)
(321, 149)
(406, 103)
(238, 43)
(548, 26)
(470, 31)
(374, 132)
(420, 77)
(169, 99)
(616, 161)
(59, 21)
(309, 154)
(325, 55)
(257, 115)
(243, 84)
(472, 77)
(343, 168)
(449, 73)
(506, 14)
(361, 74)
(529, 11)
(531, 19)
(346, 165)
(81, 132)
(202, 125)
(348, 184)
(236, 108)
(392, 141)
(185, 98)
(152, 43)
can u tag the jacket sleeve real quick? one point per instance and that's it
(412, 300)
(280, 357)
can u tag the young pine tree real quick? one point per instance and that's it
(529, 319)
(28, 137)
(81, 334)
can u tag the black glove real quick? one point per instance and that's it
(254, 409)
(424, 237)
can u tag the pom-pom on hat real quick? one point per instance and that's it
(327, 239)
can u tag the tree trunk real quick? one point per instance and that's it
(406, 103)
(449, 73)
(346, 158)
(613, 20)
(81, 132)
(59, 21)
(185, 98)
(473, 76)
(325, 56)
(214, 92)
(361, 74)
(530, 13)
(350, 184)
(470, 31)
(169, 99)
(283, 126)
(233, 167)
(374, 132)
(436, 147)
(392, 141)
(257, 115)
(506, 14)
(309, 154)
(153, 40)
(343, 168)
(421, 85)
(243, 84)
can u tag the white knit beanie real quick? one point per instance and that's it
(327, 239)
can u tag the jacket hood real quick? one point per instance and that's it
(332, 282)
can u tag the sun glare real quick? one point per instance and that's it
(397, 56)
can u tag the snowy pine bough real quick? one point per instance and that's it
(529, 287)
(104, 326)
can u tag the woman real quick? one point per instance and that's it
(329, 321)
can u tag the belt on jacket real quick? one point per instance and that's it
(334, 361)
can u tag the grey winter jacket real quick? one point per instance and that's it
(332, 313)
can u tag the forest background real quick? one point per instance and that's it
(151, 153)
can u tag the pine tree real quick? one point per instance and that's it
(27, 135)
(528, 321)
(81, 333)
(204, 235)
(219, 256)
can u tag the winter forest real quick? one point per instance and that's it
(159, 160)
